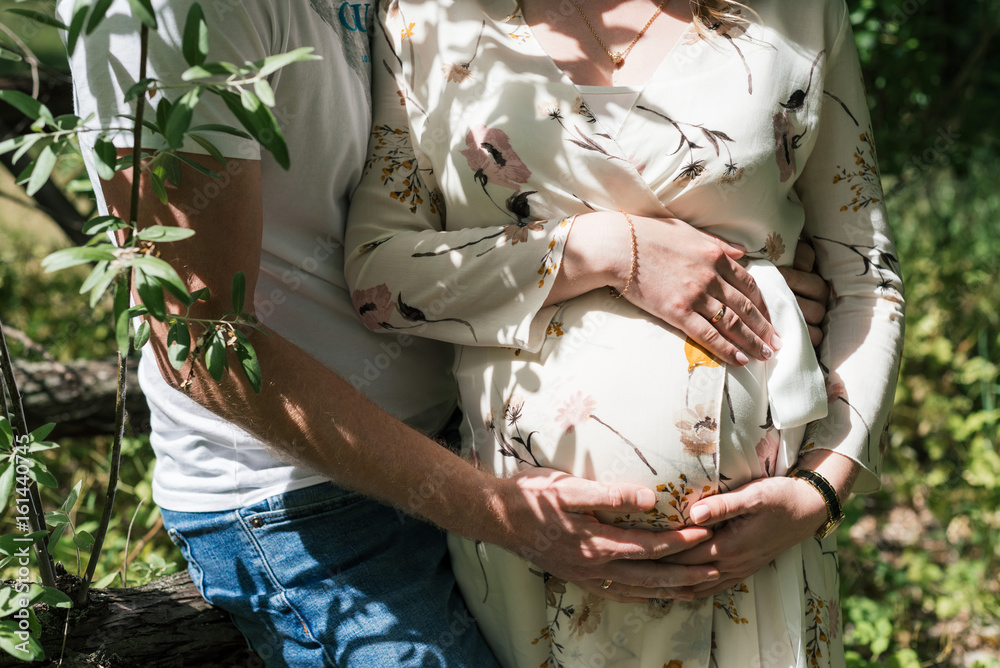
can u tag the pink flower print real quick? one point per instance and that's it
(767, 452)
(374, 306)
(835, 390)
(492, 158)
(784, 149)
(576, 411)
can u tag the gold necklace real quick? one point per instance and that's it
(618, 57)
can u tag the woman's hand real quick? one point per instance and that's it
(765, 517)
(684, 277)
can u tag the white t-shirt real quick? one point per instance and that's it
(324, 107)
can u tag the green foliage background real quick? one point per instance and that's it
(920, 559)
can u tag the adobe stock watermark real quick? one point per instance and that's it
(22, 553)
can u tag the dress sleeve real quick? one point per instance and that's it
(410, 267)
(846, 220)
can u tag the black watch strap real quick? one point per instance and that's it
(835, 511)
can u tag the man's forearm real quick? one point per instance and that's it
(307, 414)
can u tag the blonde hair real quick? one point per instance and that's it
(710, 14)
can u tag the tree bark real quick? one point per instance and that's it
(79, 396)
(164, 624)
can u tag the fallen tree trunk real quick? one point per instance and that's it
(164, 624)
(79, 396)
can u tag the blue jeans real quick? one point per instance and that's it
(325, 577)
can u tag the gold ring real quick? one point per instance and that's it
(718, 316)
(606, 584)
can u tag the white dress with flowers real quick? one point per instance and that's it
(482, 153)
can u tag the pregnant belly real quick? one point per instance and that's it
(613, 395)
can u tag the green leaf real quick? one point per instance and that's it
(83, 540)
(6, 481)
(6, 432)
(41, 169)
(97, 275)
(163, 108)
(30, 140)
(180, 117)
(248, 361)
(151, 294)
(171, 166)
(96, 16)
(8, 145)
(105, 157)
(106, 580)
(207, 70)
(58, 529)
(70, 257)
(12, 644)
(215, 127)
(143, 10)
(210, 148)
(202, 294)
(104, 224)
(122, 321)
(44, 19)
(38, 472)
(275, 63)
(197, 166)
(264, 91)
(239, 291)
(195, 41)
(40, 433)
(49, 596)
(27, 105)
(163, 233)
(260, 122)
(9, 543)
(215, 354)
(80, 9)
(141, 335)
(138, 310)
(157, 268)
(178, 344)
(102, 282)
(74, 494)
(156, 181)
(5, 54)
(137, 89)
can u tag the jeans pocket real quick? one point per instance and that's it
(194, 569)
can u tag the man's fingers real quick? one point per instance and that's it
(805, 257)
(653, 575)
(806, 284)
(581, 496)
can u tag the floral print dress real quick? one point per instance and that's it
(482, 153)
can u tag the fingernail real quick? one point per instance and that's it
(646, 498)
(714, 575)
(741, 359)
(776, 341)
(766, 352)
(699, 514)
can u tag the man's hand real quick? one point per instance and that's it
(811, 290)
(548, 519)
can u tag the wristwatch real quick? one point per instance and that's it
(834, 510)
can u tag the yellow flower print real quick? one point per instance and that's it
(674, 663)
(697, 356)
(407, 31)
